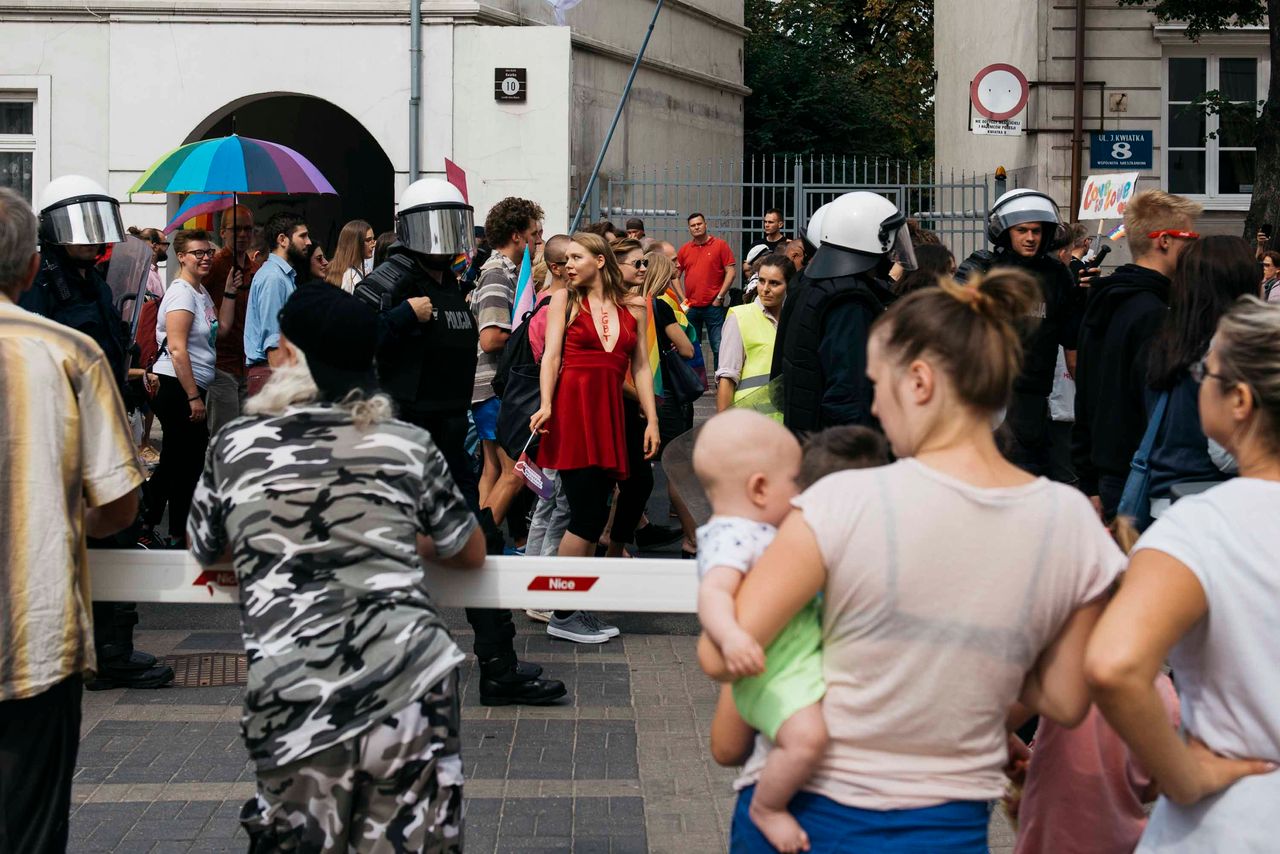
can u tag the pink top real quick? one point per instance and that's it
(1084, 788)
(940, 596)
(538, 334)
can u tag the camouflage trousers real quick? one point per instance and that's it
(395, 788)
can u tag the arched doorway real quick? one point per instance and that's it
(334, 141)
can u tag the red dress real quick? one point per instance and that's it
(586, 427)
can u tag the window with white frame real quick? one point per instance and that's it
(1211, 155)
(18, 143)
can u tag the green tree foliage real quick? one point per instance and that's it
(1209, 16)
(841, 76)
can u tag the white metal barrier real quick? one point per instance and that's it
(563, 583)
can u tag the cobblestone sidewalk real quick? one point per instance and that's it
(623, 767)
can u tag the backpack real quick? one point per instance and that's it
(517, 352)
(145, 336)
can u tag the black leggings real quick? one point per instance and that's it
(634, 492)
(181, 456)
(587, 491)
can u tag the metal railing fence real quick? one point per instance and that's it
(735, 194)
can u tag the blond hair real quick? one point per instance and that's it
(1156, 210)
(661, 272)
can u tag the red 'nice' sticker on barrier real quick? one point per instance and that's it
(220, 577)
(564, 583)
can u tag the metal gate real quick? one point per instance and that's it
(734, 196)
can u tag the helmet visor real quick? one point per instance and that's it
(903, 251)
(446, 230)
(84, 223)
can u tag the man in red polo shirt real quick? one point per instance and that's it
(707, 266)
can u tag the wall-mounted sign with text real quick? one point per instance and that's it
(510, 84)
(1121, 149)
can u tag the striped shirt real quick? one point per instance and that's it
(492, 303)
(64, 446)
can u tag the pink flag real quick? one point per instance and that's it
(455, 175)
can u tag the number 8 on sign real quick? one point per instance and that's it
(1121, 151)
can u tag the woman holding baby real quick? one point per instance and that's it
(953, 586)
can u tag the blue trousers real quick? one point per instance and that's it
(958, 827)
(710, 318)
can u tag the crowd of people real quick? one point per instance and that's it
(971, 524)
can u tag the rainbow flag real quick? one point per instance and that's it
(651, 347)
(1116, 233)
(525, 297)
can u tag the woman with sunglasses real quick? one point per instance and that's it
(1202, 592)
(187, 331)
(1212, 273)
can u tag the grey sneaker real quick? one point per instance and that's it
(611, 631)
(578, 627)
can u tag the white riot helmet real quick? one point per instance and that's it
(813, 230)
(76, 211)
(1017, 207)
(434, 219)
(858, 231)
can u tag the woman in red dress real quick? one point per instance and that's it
(595, 331)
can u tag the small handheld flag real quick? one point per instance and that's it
(1116, 233)
(525, 299)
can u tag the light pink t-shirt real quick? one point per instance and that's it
(1084, 787)
(940, 596)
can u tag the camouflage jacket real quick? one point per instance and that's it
(322, 519)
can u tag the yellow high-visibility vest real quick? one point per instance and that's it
(758, 336)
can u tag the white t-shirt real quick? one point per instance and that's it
(201, 340)
(940, 596)
(1227, 668)
(350, 279)
(732, 541)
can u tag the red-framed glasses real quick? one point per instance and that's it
(1174, 232)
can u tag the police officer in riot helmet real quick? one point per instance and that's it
(426, 362)
(1025, 232)
(820, 356)
(77, 220)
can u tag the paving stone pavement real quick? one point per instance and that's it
(620, 766)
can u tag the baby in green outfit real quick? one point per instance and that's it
(751, 467)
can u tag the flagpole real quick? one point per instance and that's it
(622, 103)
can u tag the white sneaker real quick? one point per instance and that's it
(578, 627)
(540, 616)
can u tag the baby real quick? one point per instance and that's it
(749, 466)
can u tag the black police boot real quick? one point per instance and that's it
(119, 667)
(119, 664)
(502, 684)
(528, 670)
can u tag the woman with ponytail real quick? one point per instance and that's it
(593, 329)
(959, 590)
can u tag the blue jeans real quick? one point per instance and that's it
(957, 827)
(710, 318)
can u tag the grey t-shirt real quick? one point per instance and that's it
(322, 519)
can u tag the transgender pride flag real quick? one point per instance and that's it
(526, 299)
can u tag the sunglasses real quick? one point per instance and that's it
(1174, 232)
(640, 264)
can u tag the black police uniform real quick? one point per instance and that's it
(429, 369)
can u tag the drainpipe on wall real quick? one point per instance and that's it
(1077, 113)
(415, 87)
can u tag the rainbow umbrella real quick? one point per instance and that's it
(233, 164)
(199, 208)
